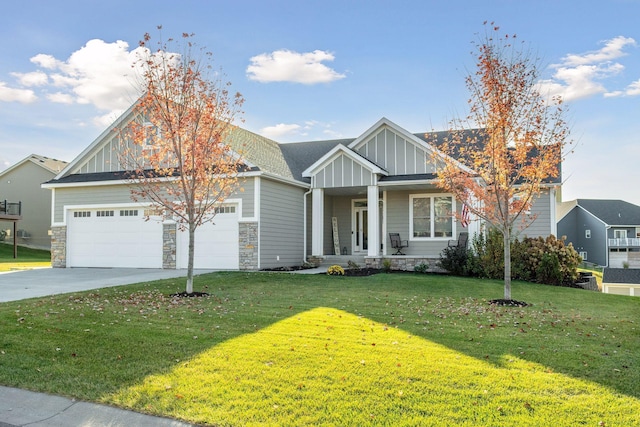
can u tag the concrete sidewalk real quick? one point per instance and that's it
(25, 408)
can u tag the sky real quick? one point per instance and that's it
(328, 69)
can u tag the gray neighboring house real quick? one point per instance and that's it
(604, 232)
(621, 281)
(22, 183)
(300, 201)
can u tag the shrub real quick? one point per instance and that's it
(421, 268)
(353, 265)
(335, 270)
(454, 259)
(386, 265)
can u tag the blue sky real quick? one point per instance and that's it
(313, 70)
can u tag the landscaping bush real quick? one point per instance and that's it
(542, 260)
(421, 268)
(455, 260)
(335, 270)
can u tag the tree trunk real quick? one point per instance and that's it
(192, 238)
(507, 263)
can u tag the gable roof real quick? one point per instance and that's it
(621, 275)
(51, 165)
(341, 149)
(612, 212)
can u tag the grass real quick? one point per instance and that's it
(27, 258)
(283, 349)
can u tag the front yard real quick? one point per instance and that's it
(288, 349)
(27, 258)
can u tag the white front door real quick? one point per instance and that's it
(360, 227)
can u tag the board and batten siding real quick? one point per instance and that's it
(343, 171)
(396, 154)
(281, 224)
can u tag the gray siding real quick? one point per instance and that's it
(574, 226)
(22, 184)
(541, 208)
(120, 194)
(396, 154)
(281, 224)
(398, 206)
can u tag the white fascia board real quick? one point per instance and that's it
(341, 149)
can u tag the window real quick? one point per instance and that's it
(151, 135)
(583, 255)
(620, 234)
(225, 209)
(587, 234)
(431, 216)
(82, 214)
(129, 212)
(104, 213)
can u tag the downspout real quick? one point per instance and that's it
(304, 227)
(607, 250)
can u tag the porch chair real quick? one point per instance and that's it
(463, 238)
(397, 243)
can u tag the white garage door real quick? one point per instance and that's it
(216, 245)
(113, 238)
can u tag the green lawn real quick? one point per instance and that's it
(27, 258)
(286, 349)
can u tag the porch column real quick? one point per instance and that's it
(317, 222)
(373, 231)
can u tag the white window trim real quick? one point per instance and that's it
(583, 255)
(432, 215)
(587, 234)
(617, 232)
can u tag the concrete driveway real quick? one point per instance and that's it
(17, 285)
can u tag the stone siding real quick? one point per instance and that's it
(405, 263)
(248, 239)
(169, 246)
(59, 247)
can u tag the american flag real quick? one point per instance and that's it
(464, 218)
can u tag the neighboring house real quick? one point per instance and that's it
(621, 281)
(299, 201)
(604, 232)
(22, 183)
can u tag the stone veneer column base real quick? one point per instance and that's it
(169, 246)
(248, 242)
(59, 246)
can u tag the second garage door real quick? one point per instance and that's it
(217, 245)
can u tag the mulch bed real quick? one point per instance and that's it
(508, 303)
(191, 295)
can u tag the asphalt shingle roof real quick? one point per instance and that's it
(621, 275)
(612, 212)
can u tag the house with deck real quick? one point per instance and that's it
(25, 207)
(306, 201)
(604, 232)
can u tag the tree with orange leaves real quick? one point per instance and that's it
(499, 158)
(174, 150)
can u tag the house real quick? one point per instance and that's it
(621, 281)
(604, 232)
(300, 201)
(21, 183)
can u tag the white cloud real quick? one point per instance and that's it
(60, 98)
(36, 78)
(24, 96)
(611, 50)
(583, 75)
(280, 130)
(290, 66)
(633, 89)
(46, 61)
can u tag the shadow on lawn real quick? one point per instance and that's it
(171, 333)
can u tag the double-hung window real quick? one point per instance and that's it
(431, 216)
